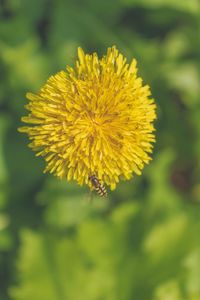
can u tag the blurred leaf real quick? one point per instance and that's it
(163, 198)
(191, 6)
(192, 265)
(169, 290)
(174, 232)
(53, 267)
(5, 236)
(98, 252)
(6, 242)
(41, 267)
(4, 123)
(76, 24)
(176, 45)
(68, 204)
(9, 28)
(185, 78)
(25, 62)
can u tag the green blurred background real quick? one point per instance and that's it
(143, 242)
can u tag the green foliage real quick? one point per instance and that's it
(143, 241)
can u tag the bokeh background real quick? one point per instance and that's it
(143, 242)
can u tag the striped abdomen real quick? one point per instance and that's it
(99, 188)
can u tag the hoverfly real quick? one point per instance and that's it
(98, 186)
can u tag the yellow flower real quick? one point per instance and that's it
(93, 119)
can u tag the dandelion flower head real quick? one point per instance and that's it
(96, 118)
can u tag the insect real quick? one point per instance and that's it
(98, 186)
